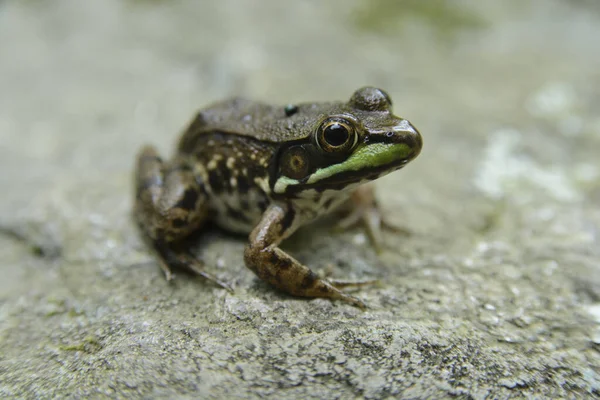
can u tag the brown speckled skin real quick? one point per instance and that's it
(225, 169)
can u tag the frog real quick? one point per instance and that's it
(265, 170)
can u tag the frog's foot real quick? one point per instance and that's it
(364, 210)
(286, 273)
(170, 258)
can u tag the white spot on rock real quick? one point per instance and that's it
(359, 239)
(503, 170)
(552, 99)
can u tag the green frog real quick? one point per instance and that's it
(265, 170)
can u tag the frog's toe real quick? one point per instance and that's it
(342, 283)
(391, 227)
(355, 301)
(351, 220)
(166, 270)
(198, 268)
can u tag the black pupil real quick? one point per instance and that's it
(336, 134)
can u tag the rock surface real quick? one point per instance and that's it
(494, 294)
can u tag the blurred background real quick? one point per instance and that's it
(502, 203)
(84, 85)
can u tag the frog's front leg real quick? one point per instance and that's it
(362, 208)
(271, 264)
(169, 206)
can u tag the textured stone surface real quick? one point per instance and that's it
(496, 293)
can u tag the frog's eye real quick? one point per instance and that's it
(295, 163)
(336, 135)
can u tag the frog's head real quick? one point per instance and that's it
(351, 143)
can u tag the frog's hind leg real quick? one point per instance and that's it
(170, 205)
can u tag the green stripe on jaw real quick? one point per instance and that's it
(367, 156)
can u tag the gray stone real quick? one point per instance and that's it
(494, 294)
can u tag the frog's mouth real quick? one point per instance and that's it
(368, 162)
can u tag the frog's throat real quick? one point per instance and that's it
(367, 158)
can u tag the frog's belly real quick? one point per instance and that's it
(238, 213)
